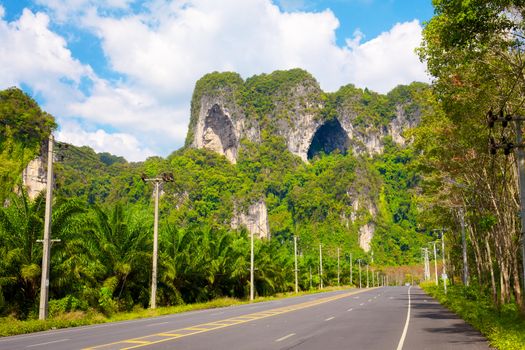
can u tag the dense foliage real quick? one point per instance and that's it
(24, 127)
(474, 49)
(103, 210)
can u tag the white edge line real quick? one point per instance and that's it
(403, 336)
(49, 342)
(349, 310)
(285, 337)
(330, 318)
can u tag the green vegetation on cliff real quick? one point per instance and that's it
(24, 128)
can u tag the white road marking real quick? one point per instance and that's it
(330, 318)
(349, 310)
(369, 300)
(285, 337)
(156, 324)
(361, 304)
(49, 342)
(356, 297)
(403, 336)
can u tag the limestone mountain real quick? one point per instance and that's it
(229, 113)
(226, 110)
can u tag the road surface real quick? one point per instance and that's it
(379, 318)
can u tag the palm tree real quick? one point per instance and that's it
(21, 225)
(121, 244)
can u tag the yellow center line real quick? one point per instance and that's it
(210, 326)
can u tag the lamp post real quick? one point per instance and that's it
(165, 177)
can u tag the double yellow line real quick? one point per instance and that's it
(134, 343)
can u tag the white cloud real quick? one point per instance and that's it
(162, 51)
(65, 10)
(32, 54)
(2, 11)
(389, 60)
(102, 141)
(174, 44)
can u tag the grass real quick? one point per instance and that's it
(503, 327)
(12, 326)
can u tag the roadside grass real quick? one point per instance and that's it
(12, 326)
(504, 327)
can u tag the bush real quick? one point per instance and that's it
(66, 304)
(503, 327)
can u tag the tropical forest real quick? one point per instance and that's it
(443, 183)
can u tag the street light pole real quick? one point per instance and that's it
(46, 254)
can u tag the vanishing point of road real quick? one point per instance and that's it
(386, 318)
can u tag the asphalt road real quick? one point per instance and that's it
(382, 318)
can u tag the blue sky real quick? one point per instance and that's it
(118, 74)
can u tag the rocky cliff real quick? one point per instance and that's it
(226, 109)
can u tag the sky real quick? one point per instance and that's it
(118, 75)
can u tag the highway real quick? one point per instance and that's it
(378, 318)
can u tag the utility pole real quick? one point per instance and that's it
(520, 155)
(338, 280)
(464, 246)
(367, 285)
(252, 289)
(373, 279)
(310, 278)
(445, 277)
(351, 271)
(46, 254)
(521, 171)
(321, 264)
(295, 258)
(165, 177)
(359, 262)
(435, 263)
(427, 267)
